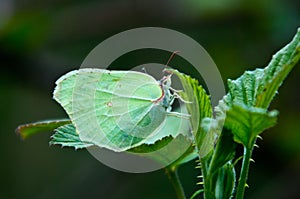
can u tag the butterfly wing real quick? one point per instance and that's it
(112, 109)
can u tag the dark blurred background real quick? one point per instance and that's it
(42, 40)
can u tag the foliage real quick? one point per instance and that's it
(241, 116)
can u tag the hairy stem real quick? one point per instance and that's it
(206, 186)
(244, 171)
(174, 178)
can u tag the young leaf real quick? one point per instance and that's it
(254, 90)
(244, 108)
(224, 151)
(218, 171)
(243, 111)
(225, 181)
(257, 88)
(247, 122)
(27, 130)
(277, 70)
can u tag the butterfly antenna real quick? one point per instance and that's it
(172, 56)
(169, 73)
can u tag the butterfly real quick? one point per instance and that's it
(117, 110)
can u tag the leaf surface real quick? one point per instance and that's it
(199, 107)
(27, 130)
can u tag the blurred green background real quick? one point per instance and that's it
(41, 40)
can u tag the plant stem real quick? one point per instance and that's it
(244, 171)
(174, 178)
(206, 187)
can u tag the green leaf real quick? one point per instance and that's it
(277, 70)
(198, 192)
(190, 154)
(254, 90)
(207, 136)
(224, 151)
(257, 88)
(66, 136)
(152, 148)
(148, 148)
(199, 108)
(27, 130)
(243, 112)
(165, 148)
(247, 122)
(225, 181)
(219, 173)
(198, 98)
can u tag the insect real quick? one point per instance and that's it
(117, 110)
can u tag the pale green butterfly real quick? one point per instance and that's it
(117, 110)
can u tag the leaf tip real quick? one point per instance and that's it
(19, 131)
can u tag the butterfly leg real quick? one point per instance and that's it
(177, 96)
(180, 115)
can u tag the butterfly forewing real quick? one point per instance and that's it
(113, 109)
